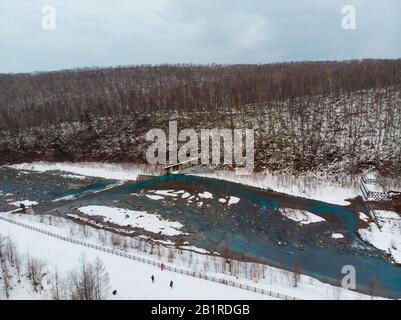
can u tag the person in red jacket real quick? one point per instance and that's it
(162, 266)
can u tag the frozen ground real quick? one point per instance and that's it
(388, 237)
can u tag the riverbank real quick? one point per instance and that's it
(312, 185)
(254, 224)
(66, 256)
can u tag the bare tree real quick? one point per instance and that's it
(2, 245)
(89, 282)
(11, 250)
(6, 278)
(320, 112)
(296, 273)
(171, 255)
(373, 287)
(18, 264)
(57, 286)
(101, 280)
(116, 240)
(34, 271)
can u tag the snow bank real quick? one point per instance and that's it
(205, 195)
(196, 249)
(137, 219)
(73, 176)
(301, 216)
(66, 198)
(167, 193)
(389, 237)
(100, 170)
(26, 203)
(363, 217)
(154, 197)
(5, 194)
(76, 196)
(160, 194)
(312, 185)
(233, 200)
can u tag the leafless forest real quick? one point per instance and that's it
(90, 281)
(331, 116)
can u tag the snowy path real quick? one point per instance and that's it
(130, 278)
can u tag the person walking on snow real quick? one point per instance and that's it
(153, 278)
(171, 284)
(162, 266)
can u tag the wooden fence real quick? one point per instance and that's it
(152, 262)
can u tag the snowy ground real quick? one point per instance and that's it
(26, 203)
(301, 216)
(100, 170)
(275, 279)
(388, 237)
(198, 197)
(136, 219)
(337, 236)
(131, 279)
(312, 185)
(364, 217)
(126, 276)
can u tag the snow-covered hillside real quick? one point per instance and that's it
(341, 134)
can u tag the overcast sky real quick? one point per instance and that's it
(125, 32)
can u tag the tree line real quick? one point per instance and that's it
(40, 99)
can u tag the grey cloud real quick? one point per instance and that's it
(108, 33)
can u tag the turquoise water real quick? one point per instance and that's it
(92, 187)
(323, 263)
(253, 226)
